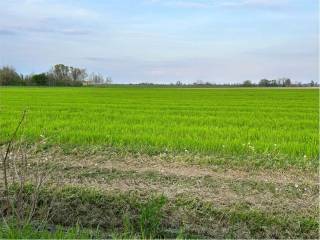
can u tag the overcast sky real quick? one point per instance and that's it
(164, 40)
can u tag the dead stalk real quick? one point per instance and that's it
(19, 171)
(8, 150)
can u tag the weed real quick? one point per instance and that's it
(151, 216)
(12, 230)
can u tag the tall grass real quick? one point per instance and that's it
(11, 230)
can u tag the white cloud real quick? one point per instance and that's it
(182, 3)
(44, 16)
(219, 3)
(254, 3)
(45, 8)
(188, 4)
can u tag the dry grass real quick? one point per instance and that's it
(279, 192)
(271, 196)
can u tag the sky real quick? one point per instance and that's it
(164, 41)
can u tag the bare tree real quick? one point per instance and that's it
(108, 80)
(96, 78)
(60, 72)
(78, 74)
(284, 82)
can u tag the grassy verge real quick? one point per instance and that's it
(11, 230)
(149, 216)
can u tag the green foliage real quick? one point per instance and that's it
(281, 82)
(90, 208)
(264, 126)
(145, 217)
(10, 230)
(149, 222)
(151, 217)
(60, 75)
(39, 79)
(247, 83)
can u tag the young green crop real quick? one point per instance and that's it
(230, 122)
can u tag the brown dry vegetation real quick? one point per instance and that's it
(276, 191)
(201, 197)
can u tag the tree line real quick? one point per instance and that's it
(280, 82)
(62, 75)
(58, 75)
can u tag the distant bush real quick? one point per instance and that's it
(247, 83)
(281, 82)
(39, 79)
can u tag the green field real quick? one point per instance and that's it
(224, 122)
(223, 163)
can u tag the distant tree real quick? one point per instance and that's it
(96, 79)
(273, 83)
(108, 80)
(9, 76)
(247, 83)
(146, 84)
(264, 82)
(199, 82)
(61, 72)
(284, 82)
(312, 84)
(179, 83)
(39, 79)
(62, 75)
(59, 75)
(77, 74)
(27, 79)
